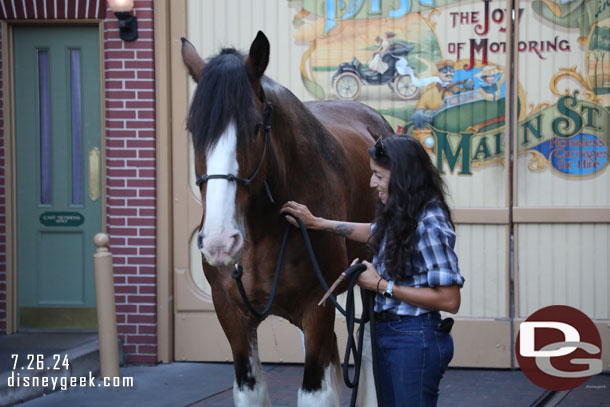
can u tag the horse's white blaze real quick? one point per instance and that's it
(220, 193)
(328, 396)
(219, 225)
(259, 395)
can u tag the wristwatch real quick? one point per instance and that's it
(388, 291)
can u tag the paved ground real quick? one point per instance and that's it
(210, 385)
(460, 387)
(594, 393)
(182, 384)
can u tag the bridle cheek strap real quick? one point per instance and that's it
(234, 178)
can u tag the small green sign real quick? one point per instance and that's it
(62, 219)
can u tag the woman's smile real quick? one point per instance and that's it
(380, 180)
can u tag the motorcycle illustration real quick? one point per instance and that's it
(351, 77)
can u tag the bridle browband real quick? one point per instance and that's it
(247, 181)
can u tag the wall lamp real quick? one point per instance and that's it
(128, 24)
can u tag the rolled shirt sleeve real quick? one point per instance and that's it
(436, 245)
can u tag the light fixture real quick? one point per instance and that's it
(128, 24)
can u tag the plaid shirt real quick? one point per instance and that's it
(433, 264)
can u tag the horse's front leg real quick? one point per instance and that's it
(321, 385)
(249, 388)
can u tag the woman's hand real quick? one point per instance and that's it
(302, 212)
(358, 232)
(369, 278)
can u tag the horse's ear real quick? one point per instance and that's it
(192, 60)
(258, 58)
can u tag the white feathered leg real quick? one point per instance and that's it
(258, 396)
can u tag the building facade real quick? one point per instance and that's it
(522, 142)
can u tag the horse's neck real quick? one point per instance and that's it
(301, 146)
(301, 163)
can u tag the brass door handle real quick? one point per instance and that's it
(94, 174)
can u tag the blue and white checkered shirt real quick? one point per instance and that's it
(434, 262)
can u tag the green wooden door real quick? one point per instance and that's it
(59, 208)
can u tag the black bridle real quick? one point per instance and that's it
(247, 181)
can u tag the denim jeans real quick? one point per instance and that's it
(412, 357)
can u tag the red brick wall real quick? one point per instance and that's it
(131, 189)
(130, 175)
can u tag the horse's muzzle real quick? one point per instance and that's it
(221, 249)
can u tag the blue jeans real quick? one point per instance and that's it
(412, 357)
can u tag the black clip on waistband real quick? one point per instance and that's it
(445, 325)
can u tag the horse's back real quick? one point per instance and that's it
(356, 126)
(350, 120)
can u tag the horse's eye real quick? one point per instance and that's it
(257, 128)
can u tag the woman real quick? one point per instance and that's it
(383, 46)
(414, 269)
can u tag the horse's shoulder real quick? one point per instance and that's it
(332, 110)
(333, 113)
(337, 105)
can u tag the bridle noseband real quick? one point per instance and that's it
(246, 181)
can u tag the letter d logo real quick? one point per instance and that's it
(527, 332)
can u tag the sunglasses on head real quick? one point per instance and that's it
(446, 69)
(379, 149)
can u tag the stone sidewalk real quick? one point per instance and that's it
(182, 384)
(210, 385)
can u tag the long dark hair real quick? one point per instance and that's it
(414, 182)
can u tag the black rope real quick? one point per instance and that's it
(239, 271)
(352, 275)
(371, 304)
(368, 314)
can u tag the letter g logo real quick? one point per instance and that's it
(559, 348)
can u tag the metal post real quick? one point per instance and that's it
(106, 311)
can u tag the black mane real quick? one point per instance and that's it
(224, 93)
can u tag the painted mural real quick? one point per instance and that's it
(437, 71)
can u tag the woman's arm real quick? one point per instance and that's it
(443, 298)
(359, 232)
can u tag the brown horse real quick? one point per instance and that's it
(277, 149)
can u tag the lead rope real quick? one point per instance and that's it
(239, 271)
(368, 314)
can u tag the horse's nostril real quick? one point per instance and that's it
(218, 249)
(200, 237)
(235, 243)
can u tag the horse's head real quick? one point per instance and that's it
(227, 124)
